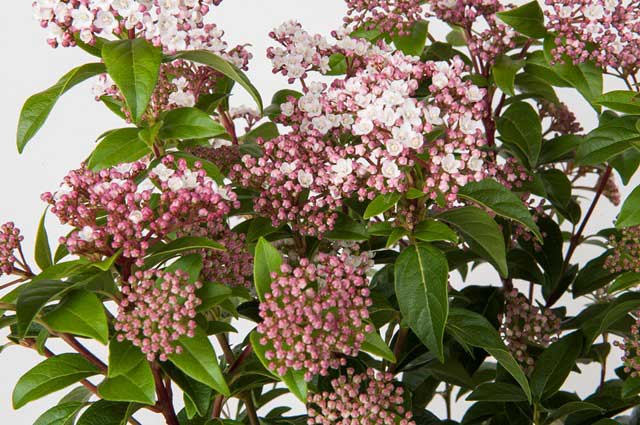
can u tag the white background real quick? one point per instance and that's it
(29, 65)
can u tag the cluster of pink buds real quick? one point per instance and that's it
(524, 324)
(110, 210)
(157, 308)
(173, 24)
(369, 398)
(561, 119)
(10, 240)
(625, 251)
(605, 31)
(390, 16)
(316, 313)
(465, 13)
(631, 348)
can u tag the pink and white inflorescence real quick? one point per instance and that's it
(110, 211)
(625, 253)
(369, 398)
(316, 313)
(173, 24)
(605, 31)
(390, 16)
(631, 347)
(157, 308)
(10, 240)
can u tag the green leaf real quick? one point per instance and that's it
(119, 146)
(527, 19)
(624, 101)
(559, 148)
(162, 252)
(347, 229)
(267, 260)
(630, 212)
(558, 187)
(43, 251)
(413, 43)
(199, 361)
(432, 231)
(520, 128)
(104, 412)
(191, 264)
(473, 329)
(52, 375)
(38, 107)
(626, 164)
(608, 140)
(266, 131)
(224, 67)
(381, 204)
(32, 299)
(62, 414)
(374, 344)
(554, 365)
(189, 123)
(481, 232)
(421, 281)
(79, 313)
(631, 387)
(294, 380)
(497, 392)
(130, 377)
(536, 87)
(496, 197)
(570, 408)
(280, 97)
(504, 73)
(134, 66)
(624, 282)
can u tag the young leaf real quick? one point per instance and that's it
(554, 365)
(381, 204)
(43, 251)
(294, 380)
(224, 67)
(199, 361)
(52, 375)
(412, 44)
(494, 196)
(129, 377)
(520, 128)
(481, 232)
(189, 123)
(504, 73)
(432, 231)
(37, 108)
(79, 313)
(134, 66)
(527, 19)
(421, 280)
(267, 260)
(119, 146)
(630, 212)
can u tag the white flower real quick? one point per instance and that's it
(475, 163)
(594, 12)
(450, 164)
(394, 147)
(433, 115)
(287, 168)
(343, 167)
(611, 5)
(362, 127)
(287, 109)
(182, 99)
(565, 12)
(106, 21)
(87, 234)
(136, 217)
(101, 4)
(474, 94)
(82, 18)
(218, 143)
(448, 4)
(124, 167)
(305, 179)
(322, 124)
(163, 172)
(310, 104)
(415, 140)
(177, 41)
(390, 169)
(175, 183)
(55, 32)
(440, 80)
(616, 46)
(467, 124)
(190, 179)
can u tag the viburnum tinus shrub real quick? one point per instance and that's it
(333, 219)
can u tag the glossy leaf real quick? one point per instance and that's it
(189, 123)
(624, 101)
(554, 365)
(267, 260)
(162, 252)
(43, 250)
(520, 128)
(432, 231)
(104, 412)
(497, 392)
(413, 43)
(80, 313)
(120, 146)
(62, 414)
(33, 297)
(504, 73)
(374, 344)
(630, 212)
(381, 204)
(527, 19)
(608, 140)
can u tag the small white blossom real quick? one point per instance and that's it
(362, 127)
(343, 167)
(450, 164)
(87, 234)
(305, 179)
(136, 217)
(163, 172)
(175, 184)
(390, 169)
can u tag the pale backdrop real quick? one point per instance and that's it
(30, 65)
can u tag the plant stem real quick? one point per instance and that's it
(164, 402)
(251, 410)
(401, 340)
(81, 349)
(603, 371)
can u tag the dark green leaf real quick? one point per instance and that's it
(431, 231)
(527, 19)
(32, 299)
(624, 282)
(104, 412)
(610, 139)
(119, 146)
(504, 73)
(554, 365)
(347, 229)
(163, 252)
(569, 408)
(381, 204)
(413, 43)
(62, 414)
(43, 251)
(624, 101)
(630, 212)
(189, 123)
(79, 313)
(520, 128)
(626, 164)
(374, 344)
(497, 392)
(560, 148)
(267, 260)
(266, 131)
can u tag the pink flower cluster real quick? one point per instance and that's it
(173, 24)
(625, 255)
(10, 240)
(369, 398)
(605, 31)
(360, 136)
(157, 308)
(631, 348)
(561, 119)
(465, 13)
(110, 210)
(316, 313)
(525, 324)
(390, 16)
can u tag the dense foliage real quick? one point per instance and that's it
(333, 219)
